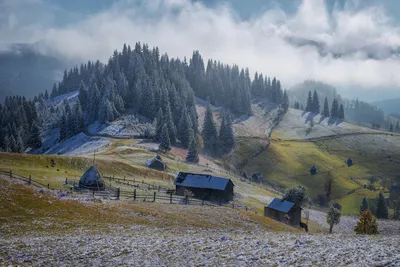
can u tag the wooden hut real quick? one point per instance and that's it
(283, 211)
(205, 186)
(257, 177)
(92, 180)
(349, 162)
(313, 170)
(156, 163)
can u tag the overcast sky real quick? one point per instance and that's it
(352, 44)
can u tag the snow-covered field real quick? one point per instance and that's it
(146, 246)
(79, 144)
(70, 97)
(296, 124)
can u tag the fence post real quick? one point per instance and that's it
(10, 173)
(30, 179)
(186, 199)
(220, 201)
(233, 205)
(124, 178)
(66, 180)
(134, 194)
(118, 193)
(48, 186)
(170, 198)
(154, 199)
(246, 208)
(202, 201)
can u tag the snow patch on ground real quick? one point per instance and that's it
(125, 127)
(70, 97)
(79, 144)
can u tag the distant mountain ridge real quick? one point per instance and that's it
(25, 71)
(389, 106)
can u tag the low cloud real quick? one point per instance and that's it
(346, 47)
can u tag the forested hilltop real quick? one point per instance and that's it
(153, 86)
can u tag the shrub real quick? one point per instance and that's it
(367, 224)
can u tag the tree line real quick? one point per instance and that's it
(19, 125)
(313, 105)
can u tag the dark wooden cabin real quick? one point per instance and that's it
(283, 211)
(349, 162)
(156, 163)
(205, 186)
(313, 170)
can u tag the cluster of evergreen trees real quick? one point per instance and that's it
(363, 113)
(19, 125)
(270, 89)
(313, 105)
(216, 144)
(72, 121)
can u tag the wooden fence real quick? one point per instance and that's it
(161, 195)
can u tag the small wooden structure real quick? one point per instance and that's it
(349, 162)
(205, 186)
(92, 180)
(156, 163)
(313, 170)
(283, 211)
(257, 177)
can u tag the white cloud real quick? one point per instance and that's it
(178, 27)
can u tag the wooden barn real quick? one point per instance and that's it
(92, 180)
(205, 186)
(283, 211)
(156, 163)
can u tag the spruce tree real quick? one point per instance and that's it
(185, 127)
(63, 128)
(325, 112)
(315, 103)
(209, 133)
(13, 144)
(397, 129)
(364, 205)
(381, 209)
(168, 120)
(285, 100)
(192, 155)
(391, 127)
(159, 125)
(309, 105)
(165, 144)
(35, 141)
(341, 112)
(46, 95)
(226, 139)
(335, 109)
(79, 123)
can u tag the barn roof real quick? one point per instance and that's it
(201, 181)
(281, 205)
(155, 159)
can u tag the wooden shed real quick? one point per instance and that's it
(283, 211)
(92, 180)
(257, 177)
(156, 163)
(205, 186)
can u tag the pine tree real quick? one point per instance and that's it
(79, 123)
(367, 224)
(325, 112)
(35, 141)
(46, 95)
(296, 105)
(226, 139)
(341, 112)
(285, 100)
(63, 128)
(185, 128)
(391, 128)
(159, 125)
(209, 133)
(335, 109)
(165, 144)
(192, 155)
(397, 129)
(309, 106)
(168, 120)
(83, 96)
(315, 105)
(364, 205)
(382, 210)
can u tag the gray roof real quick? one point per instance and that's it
(156, 158)
(91, 178)
(281, 205)
(201, 181)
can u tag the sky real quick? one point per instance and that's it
(351, 44)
